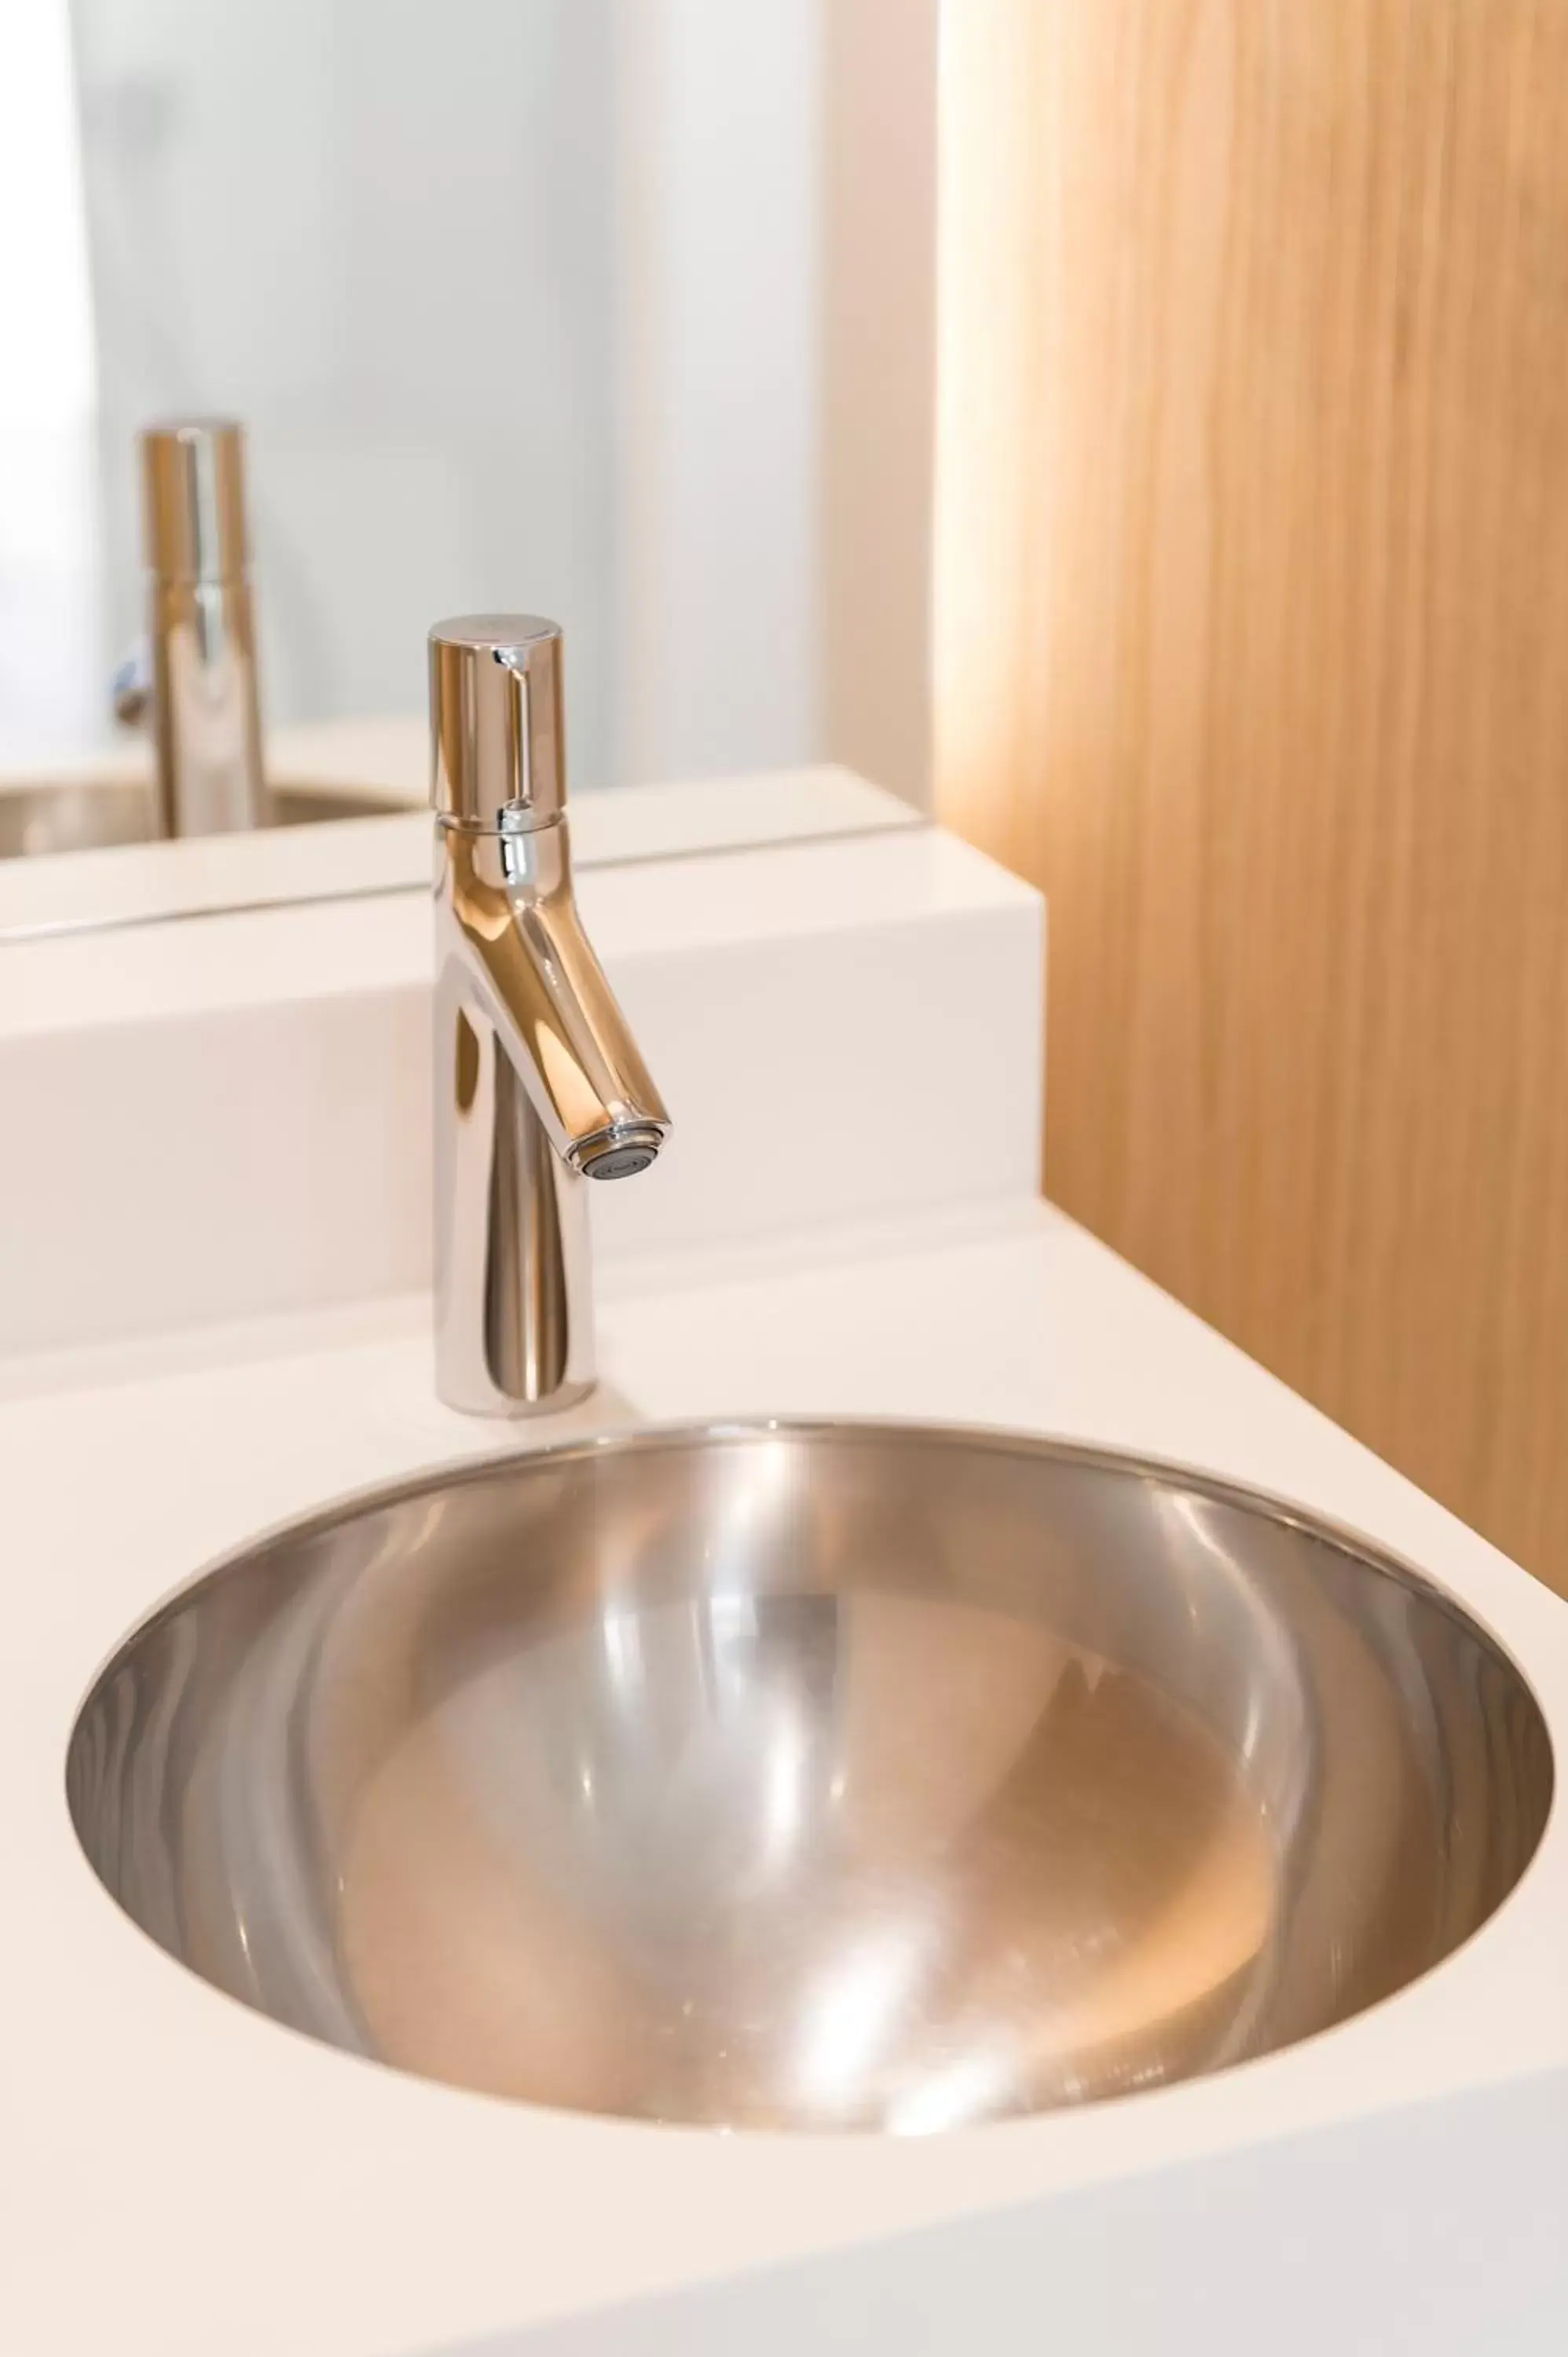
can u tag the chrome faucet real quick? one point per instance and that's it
(199, 673)
(539, 1083)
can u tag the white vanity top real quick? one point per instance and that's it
(180, 2176)
(230, 1114)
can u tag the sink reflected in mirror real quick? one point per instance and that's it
(810, 1777)
(87, 814)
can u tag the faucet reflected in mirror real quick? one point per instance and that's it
(198, 689)
(540, 1085)
(190, 683)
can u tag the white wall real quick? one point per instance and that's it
(51, 633)
(878, 406)
(721, 146)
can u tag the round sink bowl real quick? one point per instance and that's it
(89, 813)
(809, 1776)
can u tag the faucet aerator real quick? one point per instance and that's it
(620, 1155)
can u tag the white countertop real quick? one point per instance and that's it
(180, 2176)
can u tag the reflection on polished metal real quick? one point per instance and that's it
(206, 717)
(92, 813)
(539, 1083)
(810, 1777)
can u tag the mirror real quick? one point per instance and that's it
(617, 310)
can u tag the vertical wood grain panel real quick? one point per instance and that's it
(1253, 651)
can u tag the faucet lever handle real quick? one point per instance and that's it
(498, 751)
(193, 499)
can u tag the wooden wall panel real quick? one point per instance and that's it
(1252, 649)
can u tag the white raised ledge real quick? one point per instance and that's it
(231, 1116)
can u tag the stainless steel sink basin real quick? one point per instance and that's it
(89, 813)
(810, 1777)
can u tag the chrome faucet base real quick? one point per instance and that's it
(514, 1330)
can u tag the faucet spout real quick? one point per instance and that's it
(540, 1083)
(514, 914)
